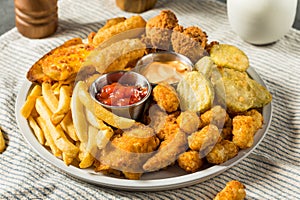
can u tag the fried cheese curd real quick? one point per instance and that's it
(166, 97)
(217, 116)
(234, 190)
(188, 121)
(159, 30)
(222, 151)
(190, 161)
(244, 128)
(204, 140)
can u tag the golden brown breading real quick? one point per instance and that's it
(157, 118)
(190, 161)
(234, 190)
(188, 121)
(166, 97)
(168, 151)
(226, 133)
(170, 127)
(135, 25)
(243, 131)
(60, 63)
(190, 42)
(130, 150)
(257, 117)
(159, 29)
(204, 139)
(217, 116)
(222, 151)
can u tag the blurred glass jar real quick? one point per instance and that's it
(261, 21)
(36, 18)
(136, 6)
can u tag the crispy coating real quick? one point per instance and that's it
(222, 151)
(157, 118)
(226, 133)
(135, 25)
(159, 29)
(257, 117)
(170, 127)
(120, 55)
(204, 139)
(234, 190)
(128, 151)
(243, 131)
(166, 97)
(190, 42)
(168, 151)
(217, 116)
(190, 161)
(60, 63)
(188, 121)
(225, 55)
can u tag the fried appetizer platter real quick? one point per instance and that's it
(205, 119)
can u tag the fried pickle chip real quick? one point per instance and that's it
(229, 56)
(195, 92)
(117, 56)
(242, 92)
(60, 63)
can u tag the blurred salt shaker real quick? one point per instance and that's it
(36, 18)
(261, 21)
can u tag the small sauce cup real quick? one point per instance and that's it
(164, 66)
(128, 78)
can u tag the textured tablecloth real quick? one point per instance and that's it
(272, 171)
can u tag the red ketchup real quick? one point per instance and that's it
(117, 94)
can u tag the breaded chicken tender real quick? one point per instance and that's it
(166, 97)
(190, 161)
(168, 152)
(188, 121)
(118, 25)
(205, 139)
(128, 151)
(234, 190)
(157, 118)
(190, 42)
(243, 131)
(217, 116)
(159, 29)
(120, 55)
(222, 151)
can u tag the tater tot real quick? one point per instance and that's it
(243, 131)
(190, 161)
(222, 152)
(206, 137)
(234, 190)
(166, 97)
(188, 121)
(257, 117)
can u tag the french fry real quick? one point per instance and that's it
(68, 126)
(63, 104)
(49, 97)
(67, 160)
(56, 132)
(37, 130)
(49, 141)
(100, 112)
(2, 142)
(85, 157)
(30, 101)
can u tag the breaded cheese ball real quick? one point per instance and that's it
(222, 152)
(217, 116)
(188, 121)
(257, 117)
(190, 161)
(206, 137)
(243, 130)
(166, 97)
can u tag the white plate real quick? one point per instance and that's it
(171, 178)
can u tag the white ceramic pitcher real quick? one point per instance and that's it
(261, 21)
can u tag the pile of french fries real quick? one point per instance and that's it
(69, 122)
